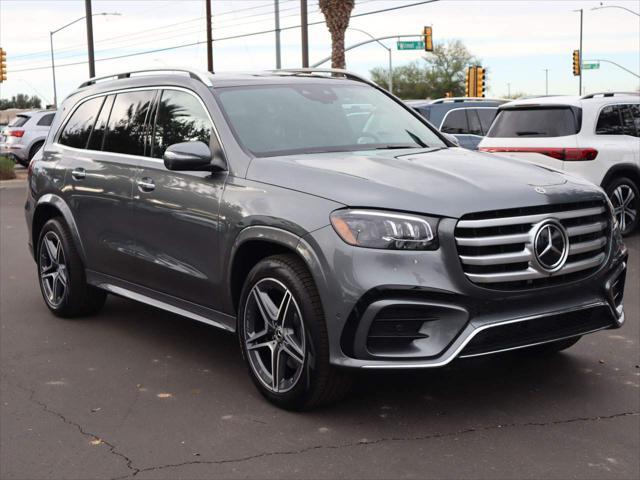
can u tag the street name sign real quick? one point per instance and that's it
(413, 45)
(591, 66)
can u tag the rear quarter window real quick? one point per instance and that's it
(535, 122)
(46, 120)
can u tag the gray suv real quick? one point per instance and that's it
(329, 240)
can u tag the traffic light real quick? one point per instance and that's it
(3, 65)
(480, 86)
(428, 39)
(470, 83)
(576, 63)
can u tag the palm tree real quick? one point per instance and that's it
(337, 14)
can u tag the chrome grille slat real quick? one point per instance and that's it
(500, 222)
(498, 251)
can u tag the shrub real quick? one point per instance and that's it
(6, 168)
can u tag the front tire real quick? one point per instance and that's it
(623, 193)
(283, 336)
(61, 273)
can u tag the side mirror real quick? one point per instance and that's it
(191, 156)
(452, 138)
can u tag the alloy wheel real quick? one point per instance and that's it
(623, 200)
(53, 269)
(274, 335)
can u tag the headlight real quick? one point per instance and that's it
(378, 229)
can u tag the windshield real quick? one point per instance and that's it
(271, 120)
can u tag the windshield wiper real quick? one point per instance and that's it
(395, 147)
(416, 139)
(529, 133)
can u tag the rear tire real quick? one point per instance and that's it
(624, 195)
(281, 323)
(552, 347)
(61, 273)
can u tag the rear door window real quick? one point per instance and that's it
(125, 131)
(635, 114)
(46, 120)
(78, 128)
(609, 121)
(180, 118)
(534, 122)
(486, 118)
(455, 122)
(628, 124)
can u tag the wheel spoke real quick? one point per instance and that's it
(267, 308)
(629, 198)
(291, 349)
(631, 213)
(253, 338)
(284, 307)
(276, 367)
(256, 346)
(52, 250)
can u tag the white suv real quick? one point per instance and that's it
(594, 137)
(25, 134)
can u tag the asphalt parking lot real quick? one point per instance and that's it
(137, 392)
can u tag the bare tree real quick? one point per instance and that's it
(337, 14)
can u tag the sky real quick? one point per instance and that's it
(516, 40)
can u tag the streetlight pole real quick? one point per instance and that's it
(580, 56)
(89, 17)
(388, 49)
(53, 67)
(276, 8)
(617, 6)
(304, 24)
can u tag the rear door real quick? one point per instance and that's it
(102, 144)
(176, 213)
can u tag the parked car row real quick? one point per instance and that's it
(25, 134)
(594, 137)
(326, 223)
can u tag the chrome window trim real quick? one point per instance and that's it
(63, 124)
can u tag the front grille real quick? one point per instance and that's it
(496, 248)
(546, 329)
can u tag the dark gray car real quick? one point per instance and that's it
(318, 217)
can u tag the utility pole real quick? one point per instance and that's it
(508, 90)
(580, 55)
(53, 72)
(304, 23)
(209, 38)
(92, 62)
(276, 7)
(546, 81)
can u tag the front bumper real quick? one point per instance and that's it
(456, 318)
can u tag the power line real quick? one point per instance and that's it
(231, 37)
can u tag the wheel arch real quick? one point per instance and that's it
(50, 206)
(622, 170)
(255, 243)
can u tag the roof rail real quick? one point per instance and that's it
(608, 94)
(470, 99)
(311, 71)
(204, 77)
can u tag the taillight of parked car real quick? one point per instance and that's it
(567, 154)
(15, 133)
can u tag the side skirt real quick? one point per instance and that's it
(161, 300)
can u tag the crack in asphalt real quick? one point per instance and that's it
(365, 442)
(93, 436)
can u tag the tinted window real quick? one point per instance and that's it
(46, 120)
(455, 122)
(609, 121)
(180, 118)
(19, 121)
(628, 124)
(474, 121)
(97, 135)
(486, 118)
(77, 130)
(126, 127)
(635, 115)
(313, 117)
(534, 122)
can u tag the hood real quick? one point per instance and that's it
(443, 182)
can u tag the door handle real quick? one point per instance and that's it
(146, 184)
(79, 173)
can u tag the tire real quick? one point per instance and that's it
(61, 273)
(551, 348)
(33, 150)
(295, 326)
(623, 193)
